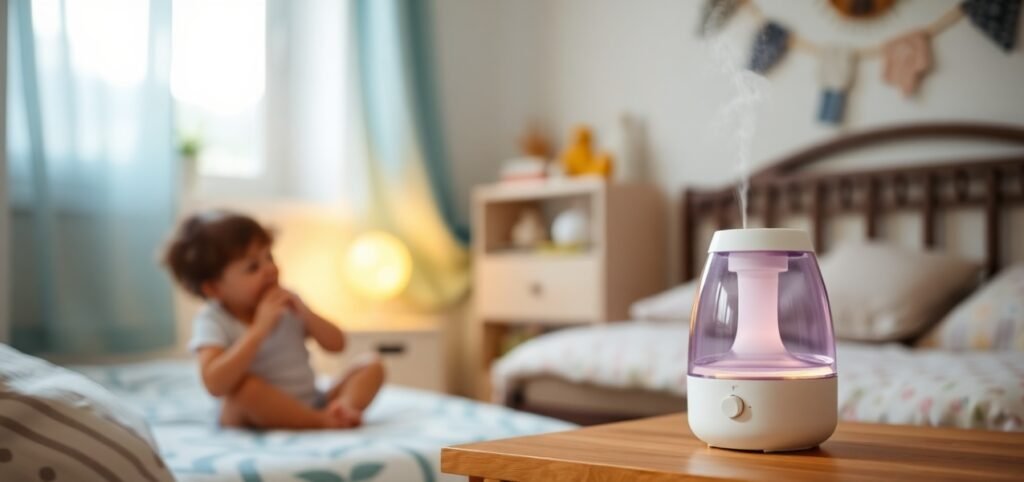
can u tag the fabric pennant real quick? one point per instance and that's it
(997, 18)
(837, 68)
(832, 107)
(770, 45)
(715, 14)
(907, 58)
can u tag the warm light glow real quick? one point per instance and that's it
(730, 373)
(377, 265)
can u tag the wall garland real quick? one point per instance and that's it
(907, 57)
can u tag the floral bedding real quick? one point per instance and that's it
(401, 440)
(887, 383)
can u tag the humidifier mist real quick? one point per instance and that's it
(762, 372)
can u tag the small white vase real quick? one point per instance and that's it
(627, 145)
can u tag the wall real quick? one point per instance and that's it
(489, 67)
(643, 57)
(588, 61)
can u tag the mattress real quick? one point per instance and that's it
(401, 440)
(560, 396)
(887, 383)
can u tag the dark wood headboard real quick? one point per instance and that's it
(783, 188)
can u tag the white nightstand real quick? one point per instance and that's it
(413, 354)
(533, 290)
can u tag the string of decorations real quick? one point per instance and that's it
(907, 57)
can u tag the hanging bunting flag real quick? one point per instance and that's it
(997, 18)
(770, 45)
(714, 15)
(907, 59)
(836, 71)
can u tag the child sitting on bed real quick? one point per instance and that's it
(250, 335)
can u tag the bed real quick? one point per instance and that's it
(154, 421)
(404, 431)
(889, 383)
(637, 368)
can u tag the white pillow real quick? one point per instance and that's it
(59, 425)
(882, 292)
(671, 305)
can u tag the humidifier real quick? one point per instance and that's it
(762, 370)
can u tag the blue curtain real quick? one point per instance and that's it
(92, 176)
(402, 183)
(396, 77)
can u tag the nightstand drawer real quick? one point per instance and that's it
(412, 358)
(540, 287)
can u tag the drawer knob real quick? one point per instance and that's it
(536, 289)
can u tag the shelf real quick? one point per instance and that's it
(536, 190)
(501, 213)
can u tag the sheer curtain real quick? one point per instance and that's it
(92, 175)
(398, 175)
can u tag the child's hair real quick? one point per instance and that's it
(207, 242)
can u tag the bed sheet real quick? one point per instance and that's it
(401, 439)
(878, 383)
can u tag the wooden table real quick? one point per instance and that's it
(663, 449)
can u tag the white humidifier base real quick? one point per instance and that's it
(768, 415)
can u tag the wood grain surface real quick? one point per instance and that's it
(664, 449)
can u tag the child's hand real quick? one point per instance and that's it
(324, 332)
(301, 310)
(298, 305)
(270, 309)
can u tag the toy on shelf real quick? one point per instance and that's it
(579, 158)
(534, 143)
(535, 161)
(571, 228)
(529, 230)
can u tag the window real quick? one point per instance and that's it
(258, 85)
(218, 80)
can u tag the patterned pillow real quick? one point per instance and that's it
(991, 319)
(58, 425)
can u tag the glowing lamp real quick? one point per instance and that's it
(377, 265)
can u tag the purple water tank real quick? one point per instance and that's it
(761, 341)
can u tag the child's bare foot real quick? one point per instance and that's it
(340, 415)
